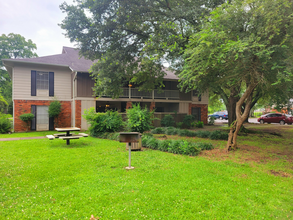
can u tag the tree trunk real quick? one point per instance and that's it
(233, 98)
(240, 117)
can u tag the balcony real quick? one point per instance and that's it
(155, 94)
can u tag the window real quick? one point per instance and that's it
(196, 93)
(42, 83)
(42, 80)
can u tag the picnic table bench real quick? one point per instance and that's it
(67, 136)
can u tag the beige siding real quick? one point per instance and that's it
(22, 83)
(204, 99)
(86, 104)
(183, 107)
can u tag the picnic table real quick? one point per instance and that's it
(67, 136)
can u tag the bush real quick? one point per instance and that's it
(199, 124)
(205, 146)
(187, 120)
(5, 124)
(179, 124)
(139, 120)
(218, 135)
(168, 121)
(27, 118)
(164, 144)
(110, 121)
(202, 134)
(55, 110)
(211, 120)
(171, 131)
(158, 130)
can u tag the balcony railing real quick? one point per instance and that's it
(155, 94)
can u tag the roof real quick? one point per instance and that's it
(69, 58)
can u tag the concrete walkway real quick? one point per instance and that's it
(21, 138)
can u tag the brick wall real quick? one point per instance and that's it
(24, 106)
(203, 112)
(78, 113)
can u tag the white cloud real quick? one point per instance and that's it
(36, 20)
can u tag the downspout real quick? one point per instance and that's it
(73, 99)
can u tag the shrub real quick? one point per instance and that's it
(55, 110)
(139, 120)
(199, 124)
(171, 131)
(168, 121)
(5, 124)
(164, 144)
(179, 124)
(158, 130)
(110, 121)
(27, 118)
(211, 120)
(218, 135)
(202, 134)
(205, 146)
(152, 143)
(187, 120)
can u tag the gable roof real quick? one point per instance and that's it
(68, 58)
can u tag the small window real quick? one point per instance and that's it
(42, 80)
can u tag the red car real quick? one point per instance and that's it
(276, 118)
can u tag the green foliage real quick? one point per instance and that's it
(218, 135)
(187, 120)
(27, 118)
(110, 121)
(199, 124)
(54, 109)
(211, 120)
(167, 121)
(179, 124)
(158, 130)
(156, 30)
(5, 124)
(171, 131)
(173, 146)
(139, 120)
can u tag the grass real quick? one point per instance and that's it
(42, 179)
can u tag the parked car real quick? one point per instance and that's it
(276, 118)
(220, 115)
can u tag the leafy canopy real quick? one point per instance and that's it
(131, 40)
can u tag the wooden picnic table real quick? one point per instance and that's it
(68, 136)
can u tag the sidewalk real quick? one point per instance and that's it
(21, 138)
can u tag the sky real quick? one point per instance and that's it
(36, 20)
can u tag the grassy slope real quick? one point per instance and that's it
(42, 179)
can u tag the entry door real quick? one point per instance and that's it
(42, 118)
(196, 113)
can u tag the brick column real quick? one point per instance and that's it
(152, 106)
(128, 105)
(203, 111)
(78, 113)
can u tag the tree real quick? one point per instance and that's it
(12, 46)
(132, 39)
(244, 47)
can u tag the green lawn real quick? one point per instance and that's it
(42, 179)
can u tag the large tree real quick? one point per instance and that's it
(244, 47)
(132, 39)
(12, 46)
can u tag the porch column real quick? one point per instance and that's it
(128, 105)
(152, 106)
